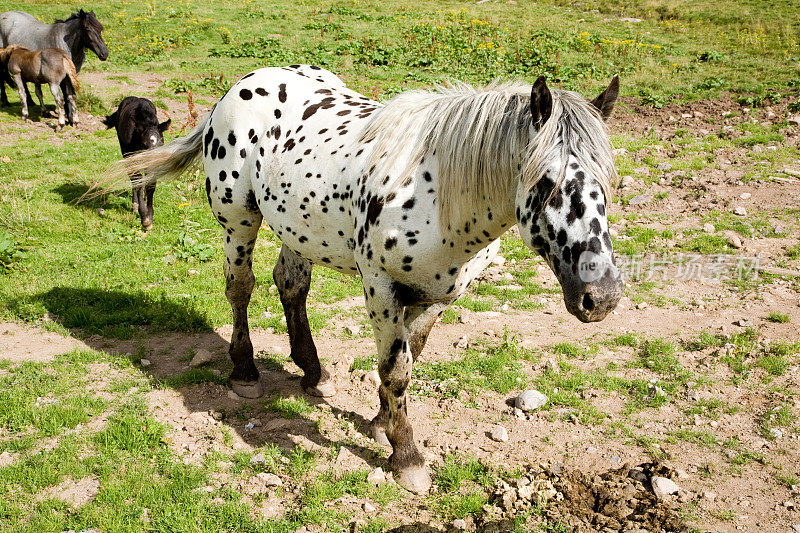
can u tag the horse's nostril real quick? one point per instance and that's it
(588, 303)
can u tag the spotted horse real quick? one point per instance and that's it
(411, 195)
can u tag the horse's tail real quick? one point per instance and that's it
(165, 162)
(72, 74)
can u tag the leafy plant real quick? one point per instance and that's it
(10, 253)
(189, 246)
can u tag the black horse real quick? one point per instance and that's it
(74, 35)
(138, 129)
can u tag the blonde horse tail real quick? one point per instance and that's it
(148, 166)
(72, 74)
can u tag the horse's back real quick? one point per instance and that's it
(290, 137)
(18, 27)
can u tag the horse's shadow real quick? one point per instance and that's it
(75, 194)
(117, 323)
(14, 110)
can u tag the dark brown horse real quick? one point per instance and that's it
(50, 66)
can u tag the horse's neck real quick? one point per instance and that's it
(493, 215)
(71, 33)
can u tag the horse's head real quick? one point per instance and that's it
(93, 34)
(563, 215)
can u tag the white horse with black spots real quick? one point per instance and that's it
(412, 195)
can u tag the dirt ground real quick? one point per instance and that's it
(716, 496)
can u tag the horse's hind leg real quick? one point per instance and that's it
(56, 90)
(292, 276)
(41, 99)
(241, 229)
(418, 320)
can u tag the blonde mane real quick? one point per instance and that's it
(481, 139)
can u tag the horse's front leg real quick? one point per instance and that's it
(22, 89)
(146, 193)
(395, 360)
(418, 320)
(292, 276)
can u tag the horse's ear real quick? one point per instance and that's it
(541, 102)
(605, 100)
(164, 125)
(111, 120)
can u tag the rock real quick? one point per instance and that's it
(258, 459)
(740, 211)
(145, 362)
(270, 480)
(233, 396)
(615, 460)
(745, 196)
(733, 239)
(201, 357)
(775, 433)
(743, 323)
(352, 330)
(709, 228)
(462, 343)
(376, 477)
(640, 199)
(460, 524)
(794, 120)
(708, 495)
(499, 434)
(630, 20)
(530, 400)
(796, 528)
(641, 305)
(372, 378)
(663, 487)
(368, 508)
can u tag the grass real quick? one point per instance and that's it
(492, 367)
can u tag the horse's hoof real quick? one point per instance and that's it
(414, 479)
(247, 389)
(147, 227)
(323, 389)
(379, 434)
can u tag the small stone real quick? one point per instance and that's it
(615, 460)
(591, 450)
(352, 330)
(775, 433)
(530, 400)
(733, 239)
(368, 508)
(663, 487)
(270, 480)
(794, 120)
(796, 528)
(460, 524)
(273, 289)
(740, 211)
(745, 196)
(709, 495)
(377, 476)
(640, 199)
(499, 434)
(462, 343)
(258, 459)
(372, 378)
(709, 228)
(233, 396)
(201, 357)
(641, 305)
(100, 210)
(743, 323)
(145, 362)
